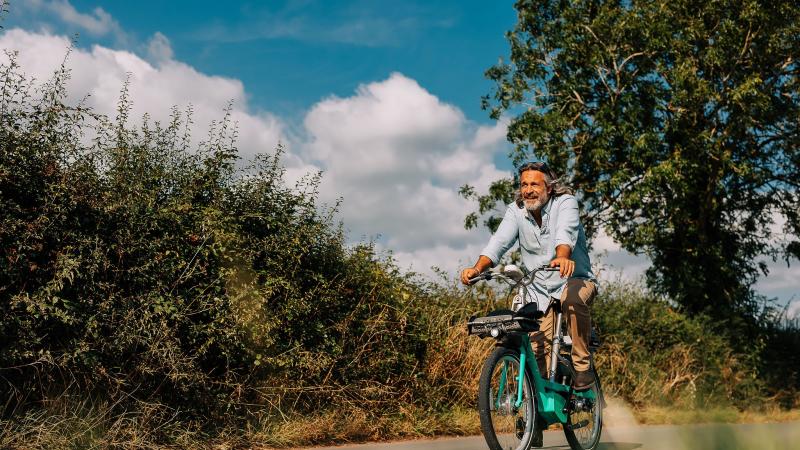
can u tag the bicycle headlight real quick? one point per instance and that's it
(495, 332)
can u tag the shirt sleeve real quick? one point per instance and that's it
(504, 238)
(566, 232)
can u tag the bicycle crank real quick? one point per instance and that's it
(578, 405)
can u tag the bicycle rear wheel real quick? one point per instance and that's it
(505, 425)
(585, 423)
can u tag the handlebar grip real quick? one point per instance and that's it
(482, 276)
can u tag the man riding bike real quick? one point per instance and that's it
(545, 220)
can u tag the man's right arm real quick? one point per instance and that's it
(471, 272)
(502, 240)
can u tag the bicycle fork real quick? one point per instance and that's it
(555, 346)
(522, 358)
(554, 354)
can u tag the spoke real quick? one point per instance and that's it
(501, 389)
(510, 422)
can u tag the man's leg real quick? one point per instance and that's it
(541, 341)
(575, 300)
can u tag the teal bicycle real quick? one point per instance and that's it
(513, 396)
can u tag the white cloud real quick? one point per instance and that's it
(605, 243)
(101, 72)
(793, 309)
(397, 156)
(782, 283)
(392, 150)
(159, 49)
(781, 277)
(611, 262)
(445, 257)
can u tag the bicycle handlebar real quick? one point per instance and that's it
(489, 275)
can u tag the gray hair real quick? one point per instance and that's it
(558, 188)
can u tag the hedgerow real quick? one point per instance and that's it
(147, 272)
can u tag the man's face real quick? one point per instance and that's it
(533, 189)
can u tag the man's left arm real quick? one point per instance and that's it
(562, 260)
(566, 235)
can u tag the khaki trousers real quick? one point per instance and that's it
(575, 300)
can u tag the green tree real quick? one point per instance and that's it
(677, 122)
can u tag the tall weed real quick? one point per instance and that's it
(654, 355)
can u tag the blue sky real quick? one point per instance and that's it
(383, 97)
(290, 54)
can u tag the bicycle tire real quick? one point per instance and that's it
(505, 427)
(580, 440)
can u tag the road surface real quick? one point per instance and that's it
(775, 436)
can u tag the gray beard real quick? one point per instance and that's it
(534, 206)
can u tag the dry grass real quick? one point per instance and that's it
(71, 423)
(82, 423)
(338, 427)
(455, 362)
(440, 403)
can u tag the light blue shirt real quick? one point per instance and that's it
(560, 226)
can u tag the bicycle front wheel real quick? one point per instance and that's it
(506, 423)
(585, 422)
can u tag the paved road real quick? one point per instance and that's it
(779, 436)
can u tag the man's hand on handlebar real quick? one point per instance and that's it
(481, 265)
(566, 266)
(468, 274)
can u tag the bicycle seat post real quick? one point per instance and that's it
(555, 344)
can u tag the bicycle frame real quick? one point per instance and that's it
(551, 396)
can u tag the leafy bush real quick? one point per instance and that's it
(654, 355)
(155, 276)
(781, 360)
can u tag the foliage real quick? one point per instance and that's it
(652, 355)
(147, 272)
(677, 123)
(781, 341)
